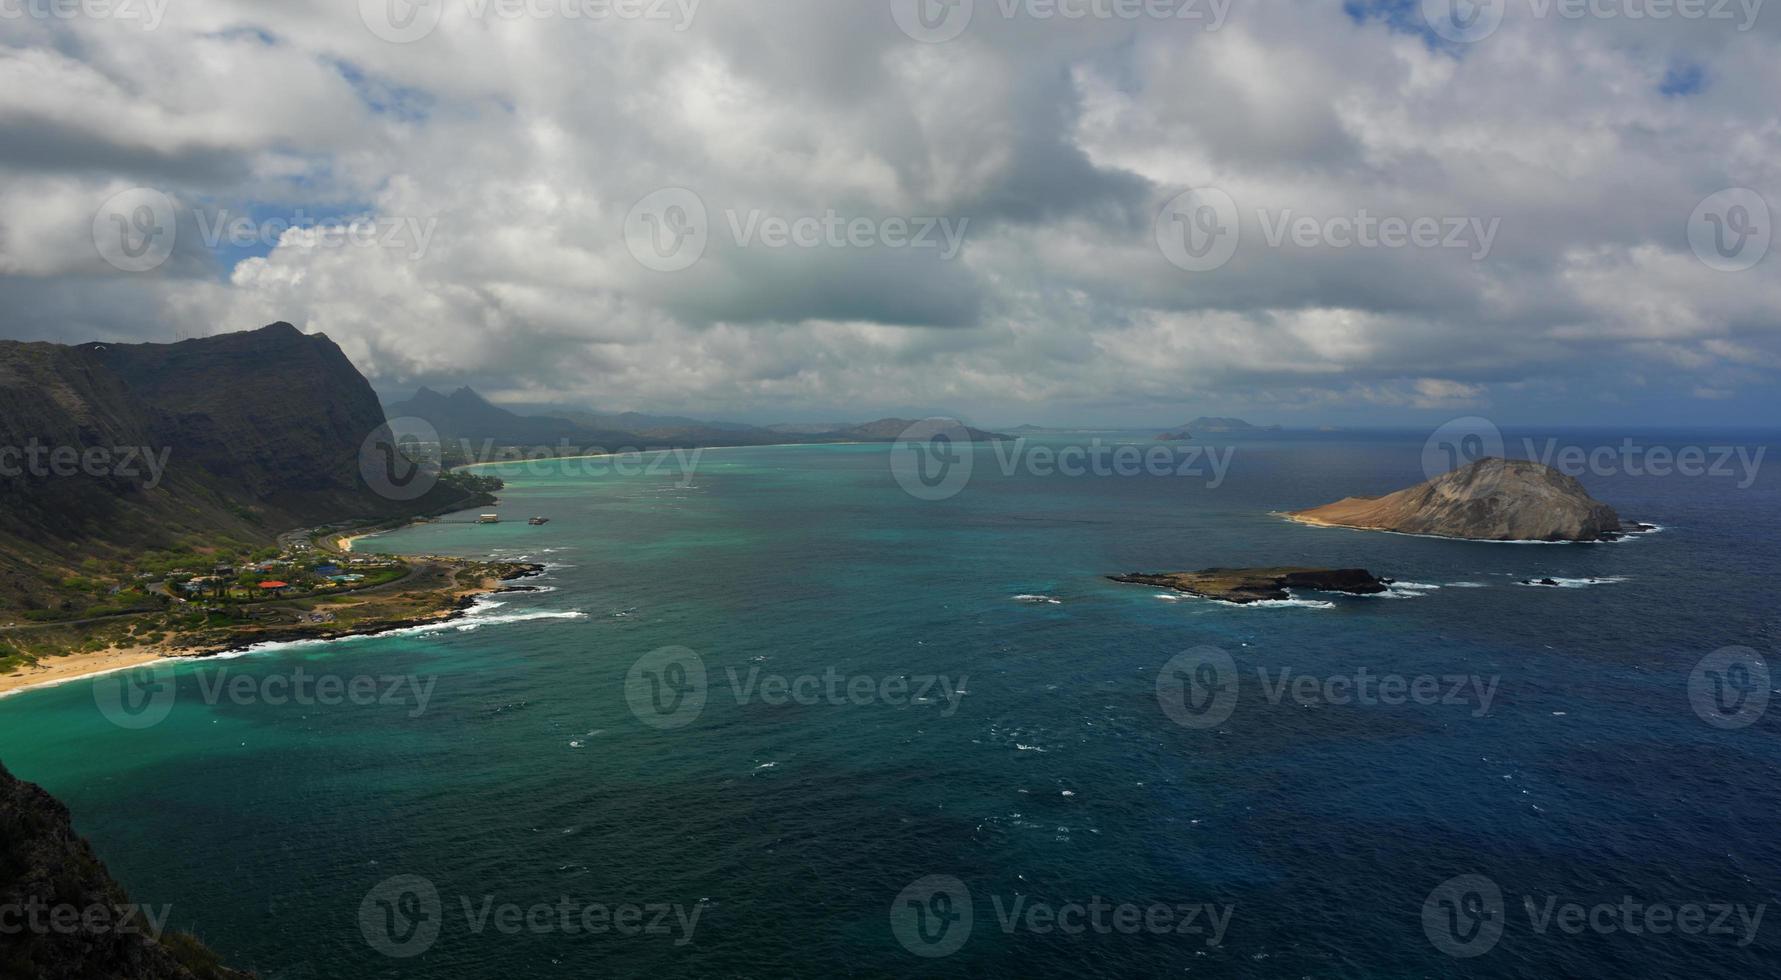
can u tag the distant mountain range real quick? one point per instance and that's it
(465, 417)
(1217, 424)
(1213, 425)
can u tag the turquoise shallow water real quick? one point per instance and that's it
(1321, 829)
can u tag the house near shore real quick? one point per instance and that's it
(274, 587)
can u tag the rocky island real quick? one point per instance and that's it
(1489, 500)
(1246, 585)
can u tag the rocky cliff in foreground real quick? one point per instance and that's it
(62, 917)
(1490, 500)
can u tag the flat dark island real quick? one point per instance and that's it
(1246, 585)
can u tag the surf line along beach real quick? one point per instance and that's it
(447, 590)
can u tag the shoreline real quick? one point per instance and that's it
(1624, 537)
(57, 671)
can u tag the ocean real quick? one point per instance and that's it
(775, 716)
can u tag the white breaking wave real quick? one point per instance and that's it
(1281, 603)
(1024, 597)
(477, 616)
(1571, 583)
(470, 623)
(1402, 590)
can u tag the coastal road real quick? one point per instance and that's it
(76, 622)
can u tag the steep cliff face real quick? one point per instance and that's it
(108, 450)
(278, 413)
(62, 917)
(55, 403)
(1490, 500)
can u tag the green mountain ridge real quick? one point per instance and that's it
(108, 451)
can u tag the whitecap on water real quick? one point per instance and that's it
(1284, 603)
(1555, 582)
(1025, 597)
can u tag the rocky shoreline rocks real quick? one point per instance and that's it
(1246, 585)
(460, 605)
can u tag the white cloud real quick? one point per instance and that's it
(528, 141)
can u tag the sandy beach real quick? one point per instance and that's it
(77, 666)
(61, 670)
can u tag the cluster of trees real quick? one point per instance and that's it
(474, 482)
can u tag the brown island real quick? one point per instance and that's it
(1489, 500)
(1246, 585)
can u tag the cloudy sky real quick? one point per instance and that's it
(1373, 213)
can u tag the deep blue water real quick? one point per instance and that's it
(1321, 829)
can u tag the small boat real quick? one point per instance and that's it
(539, 521)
